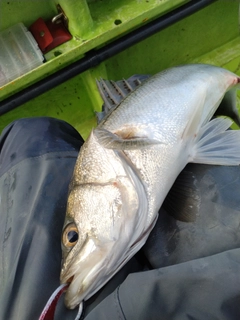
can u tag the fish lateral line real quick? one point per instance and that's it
(114, 182)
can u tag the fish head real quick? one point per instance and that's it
(99, 223)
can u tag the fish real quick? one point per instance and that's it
(129, 163)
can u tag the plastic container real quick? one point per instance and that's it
(19, 53)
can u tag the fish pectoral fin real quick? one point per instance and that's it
(110, 140)
(183, 200)
(217, 145)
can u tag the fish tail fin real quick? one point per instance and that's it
(217, 145)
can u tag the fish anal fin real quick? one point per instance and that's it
(183, 199)
(123, 140)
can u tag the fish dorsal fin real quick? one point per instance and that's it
(113, 92)
(183, 199)
(110, 140)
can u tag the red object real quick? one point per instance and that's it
(49, 35)
(49, 310)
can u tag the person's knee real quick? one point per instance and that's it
(31, 137)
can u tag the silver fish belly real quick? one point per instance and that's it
(129, 163)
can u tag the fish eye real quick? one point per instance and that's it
(70, 235)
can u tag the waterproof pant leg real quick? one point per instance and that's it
(196, 266)
(36, 164)
(37, 158)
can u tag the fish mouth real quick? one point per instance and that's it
(80, 285)
(85, 272)
(72, 299)
(73, 294)
(70, 280)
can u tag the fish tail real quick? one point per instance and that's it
(217, 145)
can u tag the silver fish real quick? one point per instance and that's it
(129, 163)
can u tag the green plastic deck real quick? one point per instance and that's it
(208, 36)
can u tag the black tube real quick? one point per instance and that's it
(94, 57)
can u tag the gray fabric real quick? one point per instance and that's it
(206, 288)
(216, 228)
(197, 265)
(185, 271)
(36, 162)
